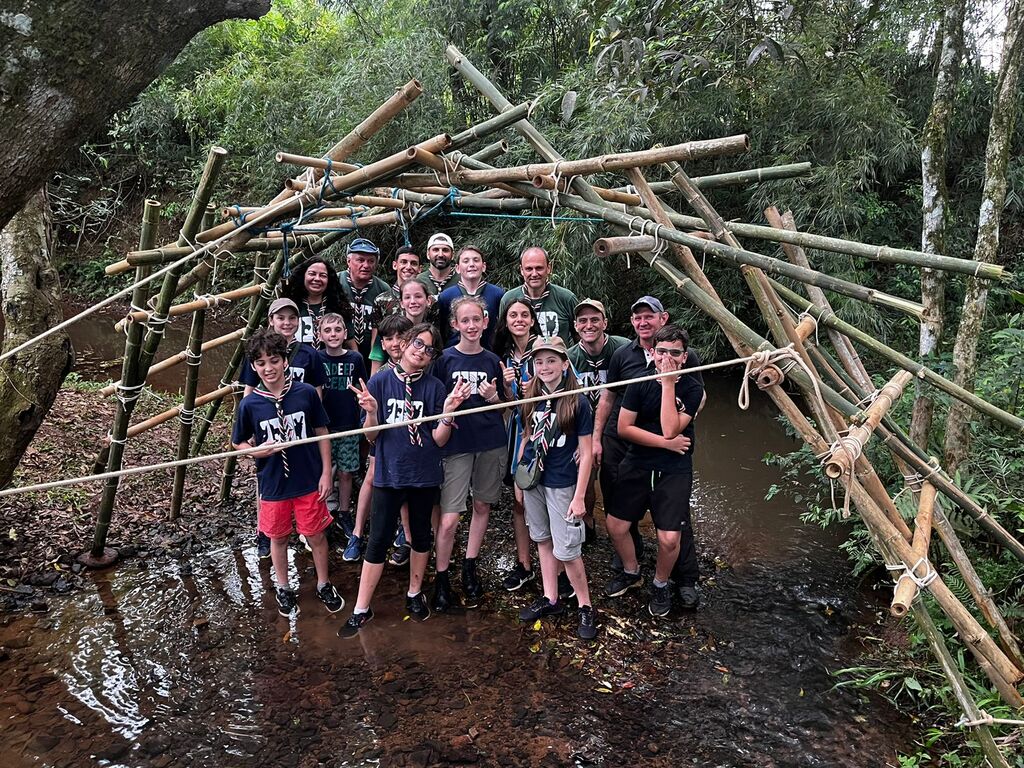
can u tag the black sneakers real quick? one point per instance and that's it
(355, 622)
(400, 555)
(262, 545)
(688, 597)
(287, 601)
(442, 593)
(516, 578)
(540, 608)
(330, 598)
(417, 607)
(621, 583)
(587, 629)
(472, 589)
(661, 600)
(565, 588)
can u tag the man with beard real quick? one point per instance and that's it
(553, 304)
(440, 273)
(591, 358)
(362, 288)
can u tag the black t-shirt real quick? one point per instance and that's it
(644, 399)
(631, 361)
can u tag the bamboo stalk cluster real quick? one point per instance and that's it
(330, 197)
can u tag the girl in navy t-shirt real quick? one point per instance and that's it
(558, 433)
(407, 466)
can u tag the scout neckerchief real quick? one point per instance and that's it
(544, 433)
(467, 292)
(408, 379)
(315, 316)
(359, 314)
(594, 366)
(515, 362)
(438, 284)
(537, 303)
(287, 428)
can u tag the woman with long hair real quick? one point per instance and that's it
(316, 290)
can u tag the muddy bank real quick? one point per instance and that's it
(182, 659)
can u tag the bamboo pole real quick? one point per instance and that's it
(491, 151)
(178, 358)
(320, 163)
(201, 303)
(171, 413)
(732, 179)
(466, 201)
(612, 246)
(691, 150)
(843, 346)
(906, 590)
(506, 117)
(227, 477)
(167, 254)
(904, 362)
(133, 379)
(842, 458)
(188, 404)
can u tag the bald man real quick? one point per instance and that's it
(555, 306)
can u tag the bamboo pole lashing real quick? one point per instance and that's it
(199, 303)
(906, 588)
(180, 357)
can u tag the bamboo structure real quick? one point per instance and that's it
(331, 197)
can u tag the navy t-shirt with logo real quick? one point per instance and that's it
(480, 431)
(491, 296)
(257, 422)
(397, 462)
(644, 399)
(561, 462)
(304, 366)
(339, 401)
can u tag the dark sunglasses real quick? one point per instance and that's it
(669, 351)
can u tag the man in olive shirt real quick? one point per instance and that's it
(590, 358)
(555, 306)
(440, 273)
(362, 287)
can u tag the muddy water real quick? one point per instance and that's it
(99, 348)
(185, 662)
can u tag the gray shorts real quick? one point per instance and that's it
(546, 509)
(483, 472)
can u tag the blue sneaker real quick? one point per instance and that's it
(354, 549)
(346, 521)
(400, 538)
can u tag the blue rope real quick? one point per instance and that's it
(526, 216)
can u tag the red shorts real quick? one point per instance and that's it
(310, 515)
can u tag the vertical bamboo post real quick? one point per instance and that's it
(127, 392)
(193, 359)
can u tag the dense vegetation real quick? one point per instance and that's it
(844, 84)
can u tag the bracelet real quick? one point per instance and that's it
(448, 421)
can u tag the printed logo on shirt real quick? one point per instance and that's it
(537, 419)
(306, 334)
(294, 428)
(395, 411)
(473, 378)
(339, 375)
(298, 374)
(548, 323)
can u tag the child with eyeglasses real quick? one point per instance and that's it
(656, 420)
(407, 466)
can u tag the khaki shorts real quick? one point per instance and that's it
(546, 509)
(482, 472)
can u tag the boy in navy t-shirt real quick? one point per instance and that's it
(476, 455)
(471, 268)
(656, 420)
(293, 482)
(303, 363)
(342, 368)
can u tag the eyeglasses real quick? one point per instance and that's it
(671, 351)
(419, 343)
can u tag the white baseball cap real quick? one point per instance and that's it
(440, 238)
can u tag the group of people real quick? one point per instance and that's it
(350, 352)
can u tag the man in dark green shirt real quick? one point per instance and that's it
(553, 304)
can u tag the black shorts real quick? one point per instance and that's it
(667, 495)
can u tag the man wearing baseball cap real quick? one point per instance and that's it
(553, 304)
(590, 358)
(440, 273)
(634, 359)
(362, 287)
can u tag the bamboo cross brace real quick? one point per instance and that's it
(612, 246)
(170, 413)
(200, 302)
(843, 456)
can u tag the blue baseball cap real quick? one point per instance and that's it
(362, 245)
(647, 301)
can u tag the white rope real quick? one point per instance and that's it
(556, 177)
(910, 572)
(128, 394)
(144, 281)
(985, 719)
(360, 431)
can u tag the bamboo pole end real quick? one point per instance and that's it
(94, 563)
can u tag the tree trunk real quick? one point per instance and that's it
(935, 195)
(71, 64)
(986, 248)
(29, 380)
